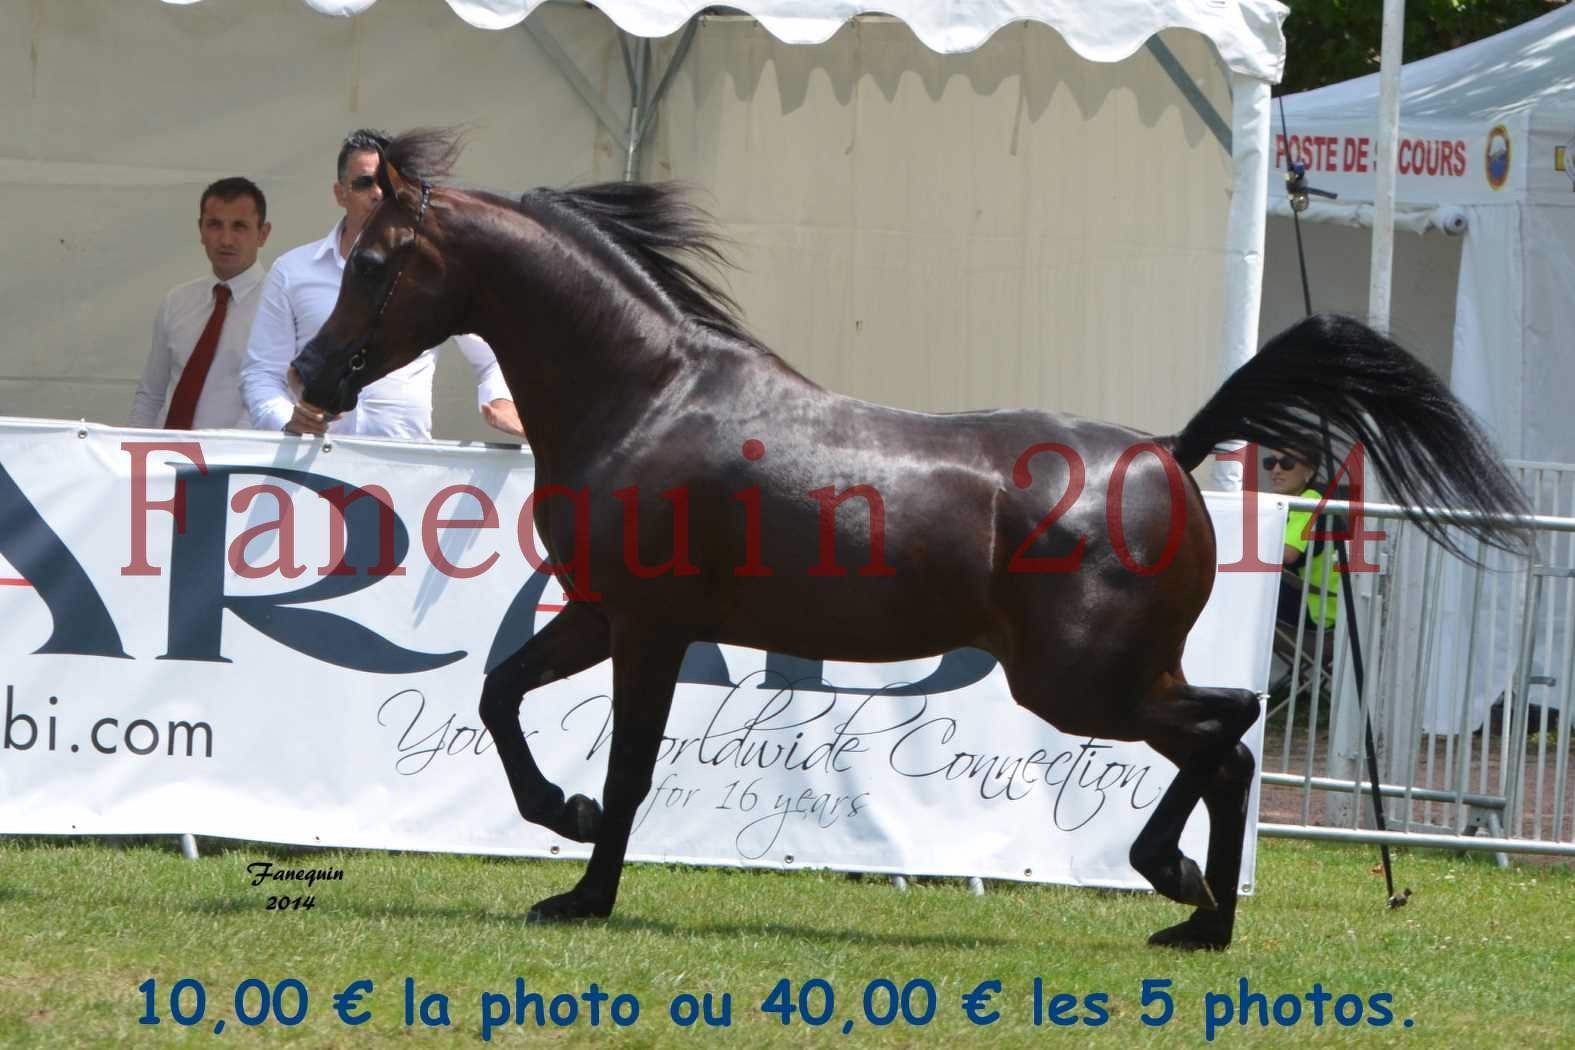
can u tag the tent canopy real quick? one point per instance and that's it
(1489, 123)
(1245, 32)
(1523, 68)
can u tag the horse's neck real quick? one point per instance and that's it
(583, 352)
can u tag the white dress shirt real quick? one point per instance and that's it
(297, 298)
(176, 328)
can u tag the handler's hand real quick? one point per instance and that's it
(308, 419)
(501, 414)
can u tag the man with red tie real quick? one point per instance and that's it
(192, 378)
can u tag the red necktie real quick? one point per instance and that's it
(183, 405)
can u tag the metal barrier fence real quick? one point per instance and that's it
(1469, 671)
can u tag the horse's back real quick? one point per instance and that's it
(830, 527)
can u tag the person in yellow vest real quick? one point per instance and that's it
(1291, 474)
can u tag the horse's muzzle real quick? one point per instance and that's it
(329, 378)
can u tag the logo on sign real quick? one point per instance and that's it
(1498, 157)
(1564, 160)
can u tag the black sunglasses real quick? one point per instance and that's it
(362, 183)
(1285, 462)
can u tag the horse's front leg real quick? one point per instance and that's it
(645, 672)
(575, 639)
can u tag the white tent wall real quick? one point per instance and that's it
(1550, 333)
(1426, 274)
(120, 113)
(1012, 226)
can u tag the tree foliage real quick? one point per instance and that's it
(1328, 41)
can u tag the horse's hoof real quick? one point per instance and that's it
(1195, 888)
(567, 907)
(1193, 935)
(582, 818)
(1182, 881)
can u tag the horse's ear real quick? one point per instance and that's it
(397, 187)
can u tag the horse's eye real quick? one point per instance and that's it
(367, 264)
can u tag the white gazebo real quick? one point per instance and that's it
(1486, 153)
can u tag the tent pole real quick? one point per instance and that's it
(628, 132)
(1380, 276)
(679, 54)
(637, 77)
(581, 85)
(1249, 208)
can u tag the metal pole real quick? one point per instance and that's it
(637, 77)
(1379, 279)
(679, 54)
(1417, 838)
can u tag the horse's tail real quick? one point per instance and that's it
(1427, 449)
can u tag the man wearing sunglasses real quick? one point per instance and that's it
(1290, 474)
(297, 298)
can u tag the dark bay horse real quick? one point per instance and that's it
(689, 484)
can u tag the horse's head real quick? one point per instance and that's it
(393, 299)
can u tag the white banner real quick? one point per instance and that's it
(220, 680)
(1436, 161)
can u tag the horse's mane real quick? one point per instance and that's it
(662, 233)
(426, 154)
(653, 225)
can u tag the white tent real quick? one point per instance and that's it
(1484, 291)
(1487, 152)
(1247, 34)
(1011, 224)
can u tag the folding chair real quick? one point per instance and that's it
(1297, 645)
(1302, 665)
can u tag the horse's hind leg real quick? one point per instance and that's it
(1200, 730)
(575, 639)
(645, 672)
(1226, 792)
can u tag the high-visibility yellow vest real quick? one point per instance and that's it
(1323, 588)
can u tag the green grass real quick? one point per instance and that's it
(1480, 955)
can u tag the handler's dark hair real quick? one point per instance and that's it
(361, 140)
(232, 188)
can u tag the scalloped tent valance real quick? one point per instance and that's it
(1246, 33)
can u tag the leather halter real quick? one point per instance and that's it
(358, 359)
